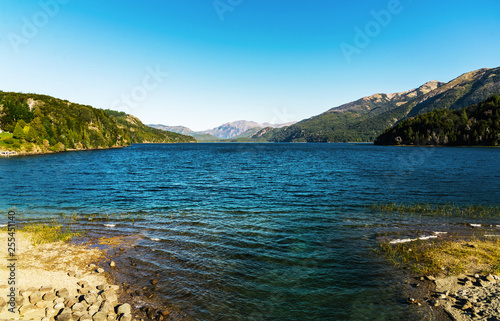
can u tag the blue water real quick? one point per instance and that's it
(256, 231)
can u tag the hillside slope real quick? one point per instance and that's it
(32, 123)
(367, 118)
(476, 125)
(140, 133)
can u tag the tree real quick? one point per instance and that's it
(18, 132)
(30, 134)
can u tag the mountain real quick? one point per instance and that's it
(176, 129)
(368, 117)
(237, 129)
(474, 125)
(32, 123)
(201, 137)
(233, 129)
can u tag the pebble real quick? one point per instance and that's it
(467, 305)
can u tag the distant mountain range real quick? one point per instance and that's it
(232, 130)
(368, 117)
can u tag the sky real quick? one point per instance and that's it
(201, 63)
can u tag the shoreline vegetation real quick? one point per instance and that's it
(454, 274)
(58, 280)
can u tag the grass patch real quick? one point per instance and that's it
(452, 257)
(450, 210)
(48, 233)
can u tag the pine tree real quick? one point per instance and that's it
(18, 132)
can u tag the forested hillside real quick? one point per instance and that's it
(32, 123)
(474, 125)
(368, 117)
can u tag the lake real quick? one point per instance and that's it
(256, 231)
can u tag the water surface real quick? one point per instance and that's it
(256, 231)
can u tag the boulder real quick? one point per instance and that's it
(126, 317)
(49, 296)
(77, 307)
(109, 295)
(35, 297)
(124, 309)
(69, 302)
(90, 298)
(63, 293)
(46, 288)
(59, 306)
(85, 317)
(100, 316)
(43, 304)
(107, 306)
(65, 317)
(27, 309)
(102, 287)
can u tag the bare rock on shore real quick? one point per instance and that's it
(470, 298)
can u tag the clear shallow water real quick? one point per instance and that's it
(257, 231)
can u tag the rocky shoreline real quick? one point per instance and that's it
(457, 298)
(55, 282)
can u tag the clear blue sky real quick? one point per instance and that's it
(261, 60)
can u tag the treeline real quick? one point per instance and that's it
(43, 123)
(56, 124)
(474, 125)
